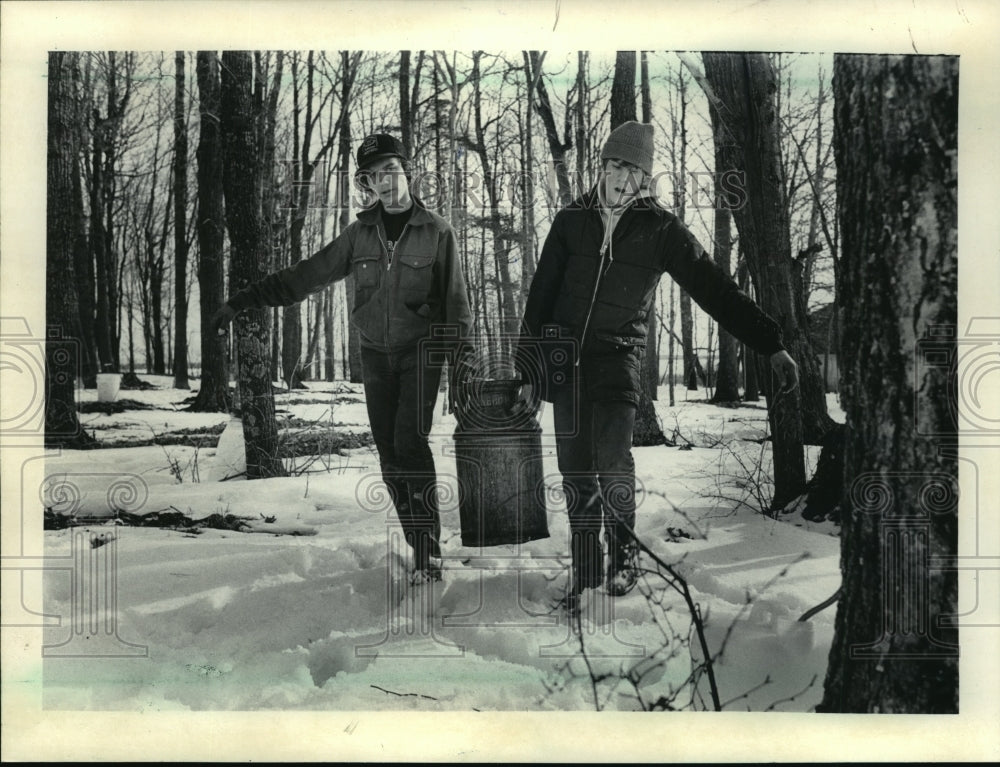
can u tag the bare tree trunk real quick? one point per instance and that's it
(116, 112)
(652, 357)
(180, 228)
(83, 261)
(505, 287)
(243, 205)
(405, 114)
(623, 89)
(98, 242)
(581, 122)
(528, 254)
(157, 252)
(727, 378)
(690, 358)
(533, 67)
(647, 428)
(727, 374)
(744, 86)
(213, 392)
(896, 643)
(751, 386)
(62, 217)
(670, 349)
(344, 193)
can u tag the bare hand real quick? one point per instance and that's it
(526, 400)
(786, 371)
(222, 318)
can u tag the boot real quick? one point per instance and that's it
(622, 569)
(430, 573)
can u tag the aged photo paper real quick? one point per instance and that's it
(967, 28)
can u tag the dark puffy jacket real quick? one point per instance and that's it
(395, 304)
(600, 301)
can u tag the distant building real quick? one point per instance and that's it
(824, 332)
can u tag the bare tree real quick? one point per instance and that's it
(248, 263)
(83, 262)
(744, 89)
(647, 428)
(180, 227)
(62, 220)
(558, 148)
(494, 221)
(353, 336)
(727, 376)
(213, 394)
(651, 361)
(895, 646)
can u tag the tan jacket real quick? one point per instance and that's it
(395, 305)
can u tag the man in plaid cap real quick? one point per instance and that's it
(407, 279)
(596, 281)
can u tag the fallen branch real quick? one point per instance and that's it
(403, 694)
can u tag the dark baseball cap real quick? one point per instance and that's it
(377, 146)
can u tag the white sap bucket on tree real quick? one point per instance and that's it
(108, 385)
(230, 454)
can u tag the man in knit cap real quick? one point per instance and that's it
(596, 282)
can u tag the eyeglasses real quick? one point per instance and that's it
(624, 166)
(380, 175)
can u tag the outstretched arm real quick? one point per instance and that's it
(292, 284)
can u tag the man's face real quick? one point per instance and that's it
(622, 182)
(386, 179)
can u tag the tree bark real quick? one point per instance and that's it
(62, 222)
(180, 228)
(652, 356)
(243, 205)
(623, 89)
(355, 373)
(213, 393)
(745, 89)
(528, 245)
(582, 124)
(83, 262)
(744, 85)
(727, 375)
(895, 646)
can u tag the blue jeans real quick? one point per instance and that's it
(594, 449)
(400, 392)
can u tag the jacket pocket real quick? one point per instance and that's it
(366, 271)
(415, 275)
(611, 342)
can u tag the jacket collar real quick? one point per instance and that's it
(593, 200)
(373, 214)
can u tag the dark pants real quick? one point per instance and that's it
(594, 448)
(400, 393)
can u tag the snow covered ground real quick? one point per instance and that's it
(307, 607)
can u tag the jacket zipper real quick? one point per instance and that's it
(389, 259)
(385, 250)
(606, 248)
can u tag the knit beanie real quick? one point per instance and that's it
(631, 142)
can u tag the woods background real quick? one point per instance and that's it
(498, 141)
